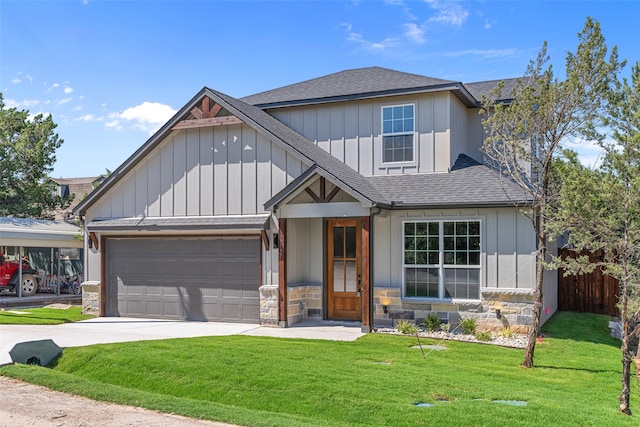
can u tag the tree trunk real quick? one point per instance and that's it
(626, 376)
(534, 328)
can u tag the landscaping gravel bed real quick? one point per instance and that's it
(515, 341)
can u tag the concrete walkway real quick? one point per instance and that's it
(103, 330)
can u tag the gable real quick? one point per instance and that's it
(227, 169)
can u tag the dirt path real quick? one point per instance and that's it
(28, 405)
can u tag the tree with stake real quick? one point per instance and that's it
(524, 135)
(27, 155)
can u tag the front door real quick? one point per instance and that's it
(344, 269)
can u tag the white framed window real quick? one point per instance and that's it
(441, 259)
(398, 124)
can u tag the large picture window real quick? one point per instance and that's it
(397, 133)
(442, 259)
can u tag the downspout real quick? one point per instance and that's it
(371, 269)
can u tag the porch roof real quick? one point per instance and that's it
(228, 223)
(469, 183)
(38, 233)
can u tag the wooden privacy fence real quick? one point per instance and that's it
(587, 293)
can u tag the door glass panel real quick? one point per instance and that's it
(351, 277)
(351, 242)
(338, 242)
(338, 276)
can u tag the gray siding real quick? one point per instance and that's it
(226, 170)
(506, 263)
(351, 132)
(305, 251)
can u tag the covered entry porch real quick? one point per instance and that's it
(323, 244)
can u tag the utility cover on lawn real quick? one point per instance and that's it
(35, 352)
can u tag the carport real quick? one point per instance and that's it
(23, 233)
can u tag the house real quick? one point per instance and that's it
(76, 188)
(360, 195)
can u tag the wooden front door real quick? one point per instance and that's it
(344, 269)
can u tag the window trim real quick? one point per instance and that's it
(441, 266)
(412, 133)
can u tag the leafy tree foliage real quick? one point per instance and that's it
(601, 211)
(27, 155)
(524, 135)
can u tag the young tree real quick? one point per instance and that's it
(524, 135)
(601, 211)
(27, 155)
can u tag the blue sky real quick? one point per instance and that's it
(112, 72)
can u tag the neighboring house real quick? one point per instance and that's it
(360, 195)
(75, 188)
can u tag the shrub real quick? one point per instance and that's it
(468, 326)
(507, 333)
(432, 322)
(445, 327)
(406, 327)
(483, 336)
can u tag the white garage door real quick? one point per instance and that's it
(213, 279)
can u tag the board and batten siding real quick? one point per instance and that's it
(305, 251)
(225, 170)
(507, 263)
(351, 132)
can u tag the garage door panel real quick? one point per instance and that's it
(199, 279)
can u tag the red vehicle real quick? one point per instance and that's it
(10, 277)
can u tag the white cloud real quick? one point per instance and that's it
(354, 37)
(485, 53)
(64, 101)
(32, 116)
(114, 124)
(86, 118)
(77, 108)
(26, 103)
(489, 24)
(449, 12)
(589, 152)
(413, 32)
(148, 116)
(16, 81)
(68, 89)
(52, 87)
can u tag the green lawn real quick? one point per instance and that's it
(42, 316)
(259, 381)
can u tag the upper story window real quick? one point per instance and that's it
(397, 133)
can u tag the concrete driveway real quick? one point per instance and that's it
(123, 329)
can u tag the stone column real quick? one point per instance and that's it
(91, 298)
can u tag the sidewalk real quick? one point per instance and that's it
(103, 330)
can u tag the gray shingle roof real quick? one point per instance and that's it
(478, 89)
(348, 84)
(469, 183)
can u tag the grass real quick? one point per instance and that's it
(259, 381)
(42, 316)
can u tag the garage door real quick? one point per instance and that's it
(194, 279)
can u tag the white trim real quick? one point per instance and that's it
(413, 134)
(322, 210)
(441, 266)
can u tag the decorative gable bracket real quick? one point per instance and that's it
(206, 116)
